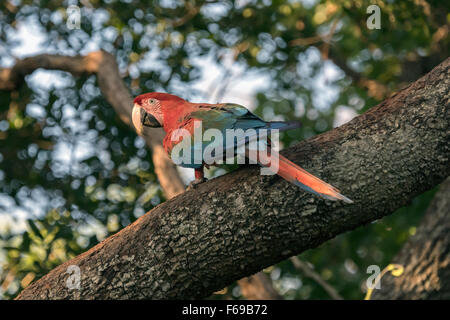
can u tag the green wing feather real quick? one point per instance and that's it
(227, 116)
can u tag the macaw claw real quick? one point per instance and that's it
(194, 184)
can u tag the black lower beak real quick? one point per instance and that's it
(148, 120)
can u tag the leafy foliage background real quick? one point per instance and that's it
(71, 173)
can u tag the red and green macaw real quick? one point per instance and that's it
(156, 109)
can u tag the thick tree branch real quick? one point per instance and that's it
(238, 224)
(113, 89)
(425, 257)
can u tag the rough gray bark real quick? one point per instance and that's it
(238, 224)
(425, 257)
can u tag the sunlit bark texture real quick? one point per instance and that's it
(237, 224)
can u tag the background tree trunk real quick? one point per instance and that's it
(237, 224)
(425, 257)
(258, 287)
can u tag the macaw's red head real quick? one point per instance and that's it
(148, 109)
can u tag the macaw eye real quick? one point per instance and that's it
(152, 101)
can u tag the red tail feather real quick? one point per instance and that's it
(305, 180)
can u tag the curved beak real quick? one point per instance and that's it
(141, 118)
(136, 118)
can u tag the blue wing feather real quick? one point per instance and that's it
(230, 116)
